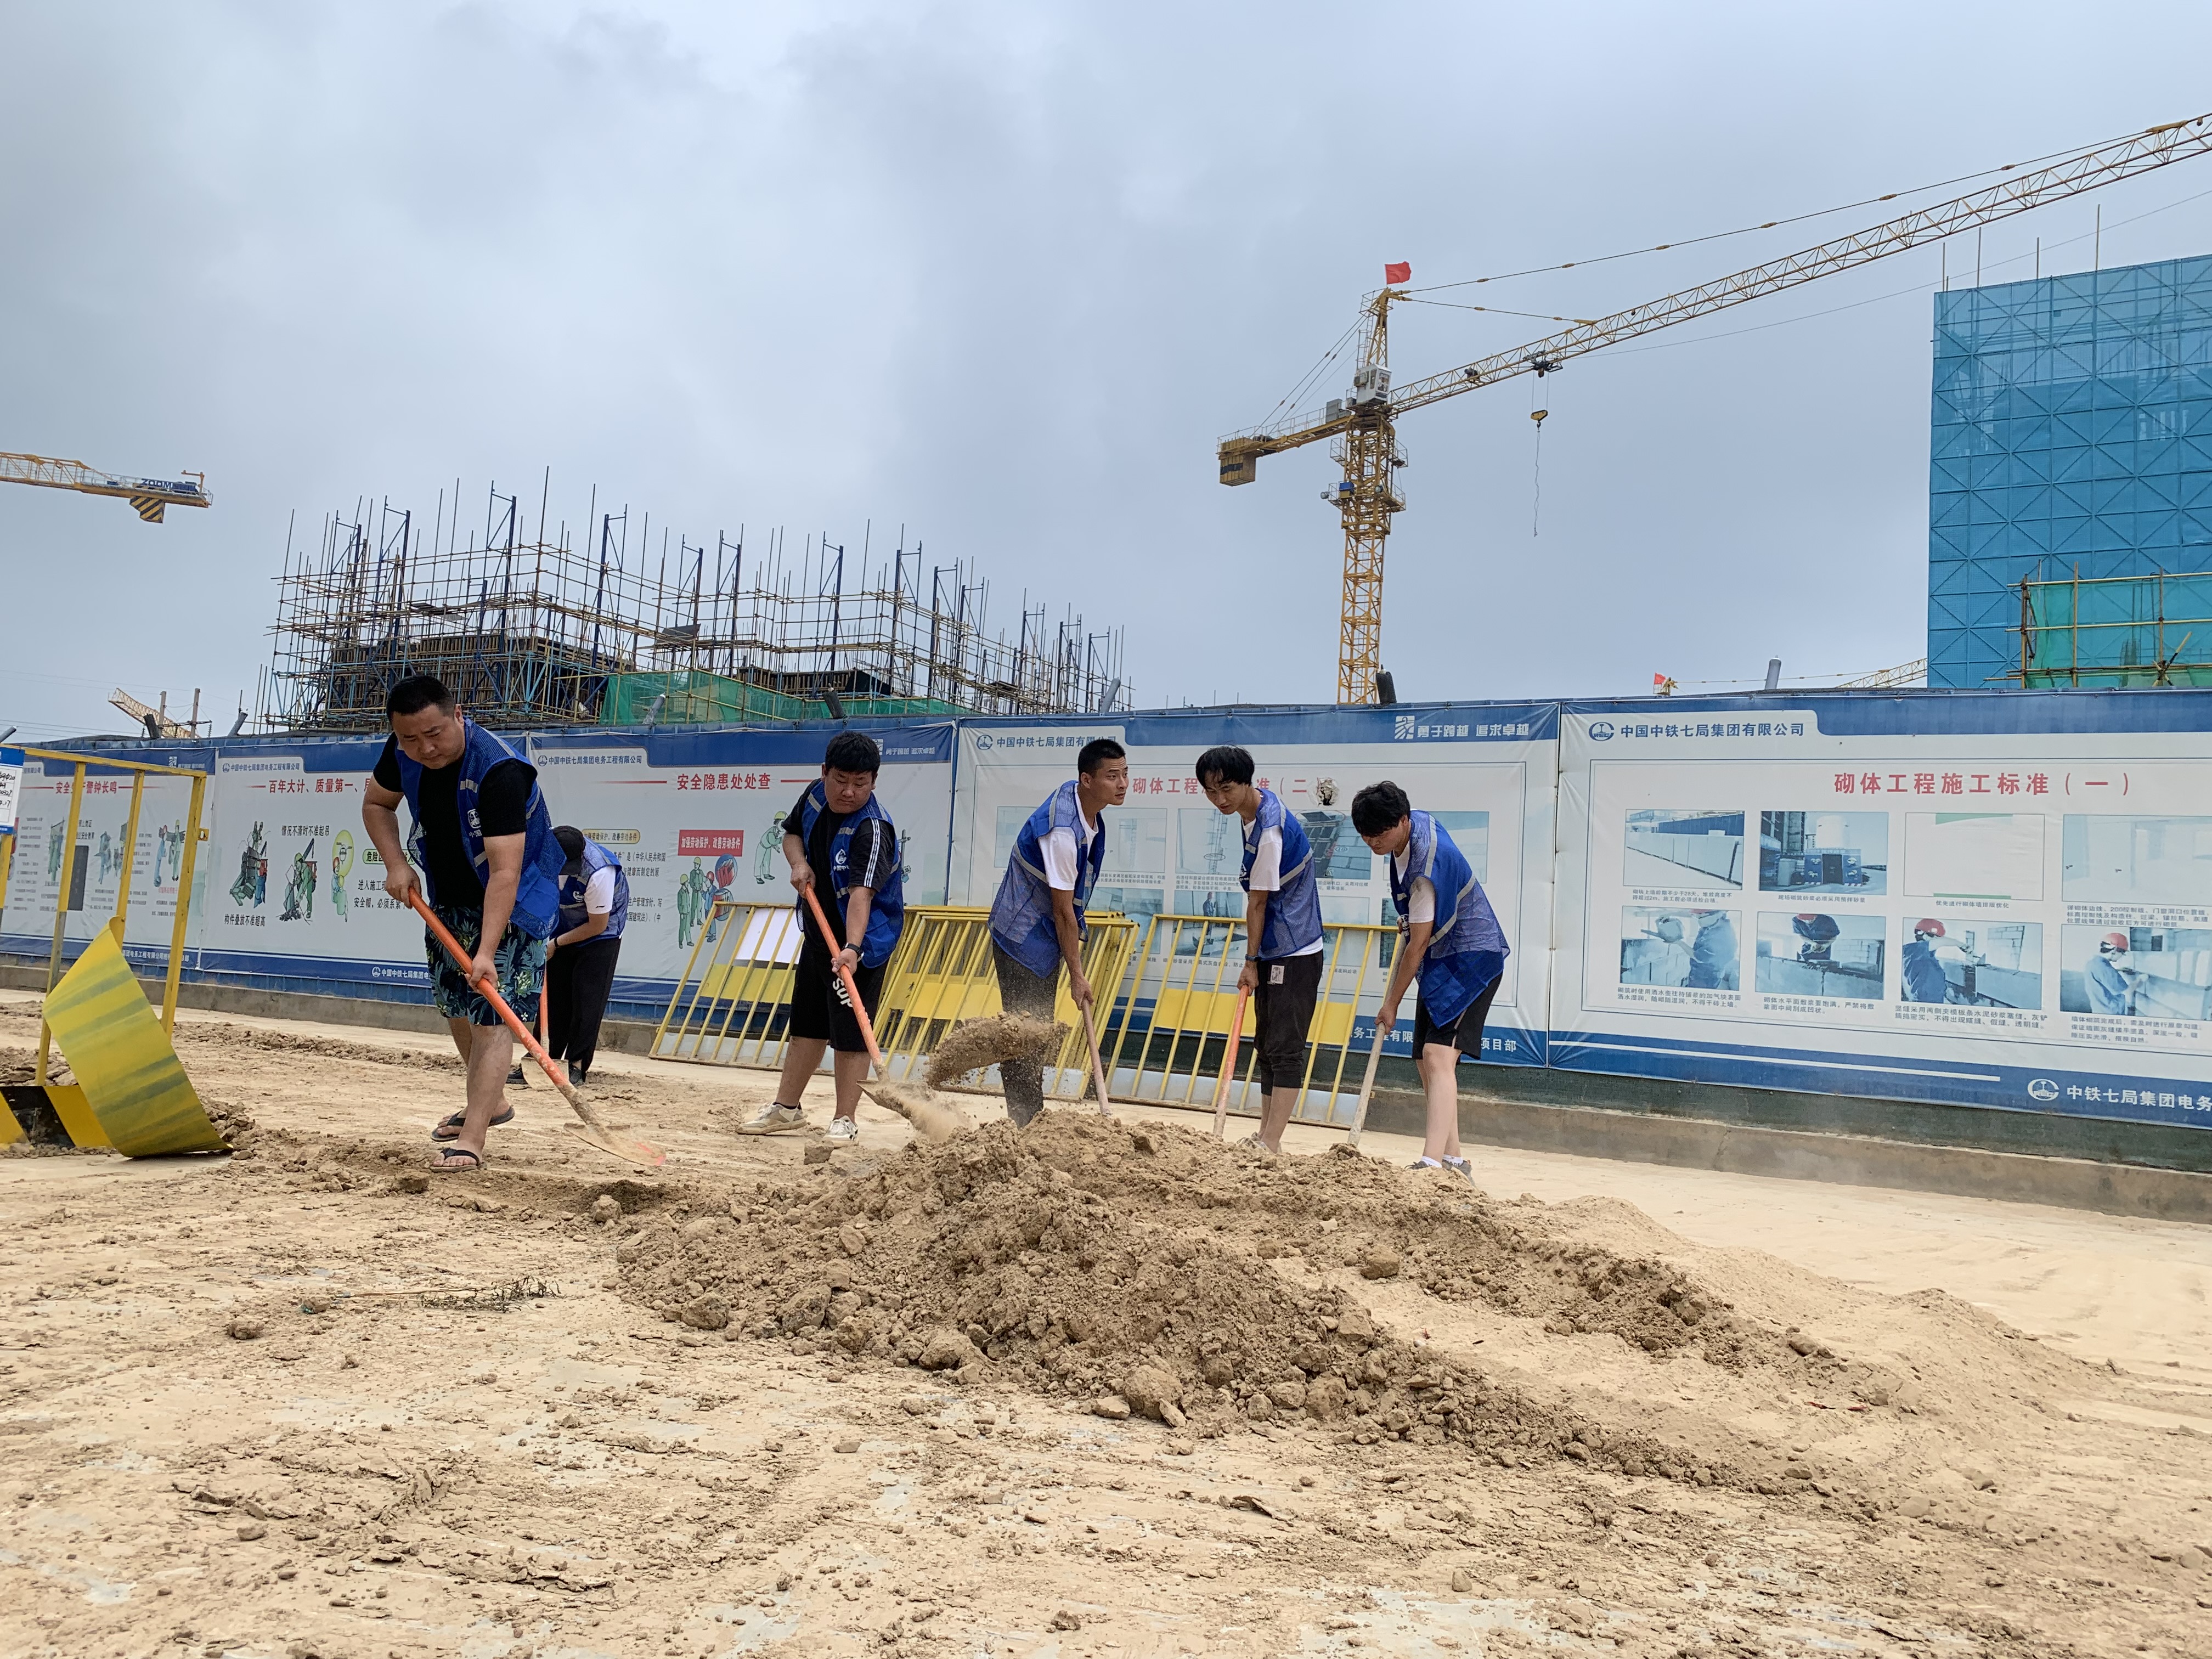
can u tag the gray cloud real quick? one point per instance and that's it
(1005, 274)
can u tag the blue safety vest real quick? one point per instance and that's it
(1467, 947)
(1021, 915)
(1294, 907)
(2107, 987)
(1924, 979)
(576, 877)
(887, 910)
(538, 897)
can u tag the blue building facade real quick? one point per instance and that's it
(2071, 438)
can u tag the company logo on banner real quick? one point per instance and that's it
(2042, 1088)
(1601, 731)
(710, 843)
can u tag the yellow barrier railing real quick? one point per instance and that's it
(1171, 1016)
(728, 1008)
(70, 885)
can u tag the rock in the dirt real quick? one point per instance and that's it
(917, 1405)
(1381, 1261)
(944, 1349)
(411, 1183)
(1066, 1620)
(1291, 1396)
(1325, 1397)
(1462, 1580)
(606, 1208)
(852, 1239)
(1153, 1391)
(1112, 1406)
(251, 1530)
(705, 1313)
(243, 1329)
(817, 1152)
(848, 1442)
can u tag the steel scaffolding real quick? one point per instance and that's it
(543, 630)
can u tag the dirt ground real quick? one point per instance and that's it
(1094, 1389)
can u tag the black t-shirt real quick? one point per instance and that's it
(869, 859)
(503, 805)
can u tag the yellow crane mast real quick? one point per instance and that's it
(149, 495)
(1363, 426)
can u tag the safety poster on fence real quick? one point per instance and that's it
(1818, 896)
(1486, 774)
(45, 880)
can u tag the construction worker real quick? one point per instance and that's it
(839, 842)
(1923, 958)
(1037, 918)
(2110, 982)
(1449, 941)
(1282, 932)
(491, 871)
(1713, 953)
(1819, 932)
(579, 959)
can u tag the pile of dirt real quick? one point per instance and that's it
(976, 1044)
(1085, 1259)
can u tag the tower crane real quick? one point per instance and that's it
(1363, 426)
(149, 495)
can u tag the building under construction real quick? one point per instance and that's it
(544, 631)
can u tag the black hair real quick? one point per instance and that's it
(571, 840)
(1378, 807)
(1096, 752)
(1223, 764)
(852, 751)
(416, 693)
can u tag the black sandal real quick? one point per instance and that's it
(446, 1165)
(450, 1129)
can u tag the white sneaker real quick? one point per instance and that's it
(842, 1131)
(773, 1119)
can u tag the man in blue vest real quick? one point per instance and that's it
(2111, 982)
(1449, 940)
(1037, 919)
(491, 870)
(837, 841)
(1282, 933)
(579, 959)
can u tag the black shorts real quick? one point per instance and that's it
(818, 1009)
(1465, 1033)
(1282, 1012)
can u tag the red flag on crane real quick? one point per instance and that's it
(1397, 273)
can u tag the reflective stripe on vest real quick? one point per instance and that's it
(1294, 907)
(1021, 914)
(887, 910)
(1467, 947)
(574, 914)
(537, 894)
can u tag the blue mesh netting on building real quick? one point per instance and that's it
(2071, 436)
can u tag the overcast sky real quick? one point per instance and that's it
(1004, 273)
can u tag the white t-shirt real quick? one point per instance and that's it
(1267, 875)
(600, 893)
(1421, 896)
(1061, 858)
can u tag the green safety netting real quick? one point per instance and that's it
(694, 697)
(2133, 631)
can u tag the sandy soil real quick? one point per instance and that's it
(287, 1404)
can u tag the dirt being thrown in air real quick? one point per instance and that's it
(975, 1044)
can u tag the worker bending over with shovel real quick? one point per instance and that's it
(838, 841)
(1282, 933)
(1449, 939)
(491, 871)
(1037, 919)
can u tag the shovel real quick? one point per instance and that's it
(593, 1131)
(1366, 1087)
(930, 1119)
(1228, 1068)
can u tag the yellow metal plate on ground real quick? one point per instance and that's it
(129, 1076)
(10, 1131)
(76, 1116)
